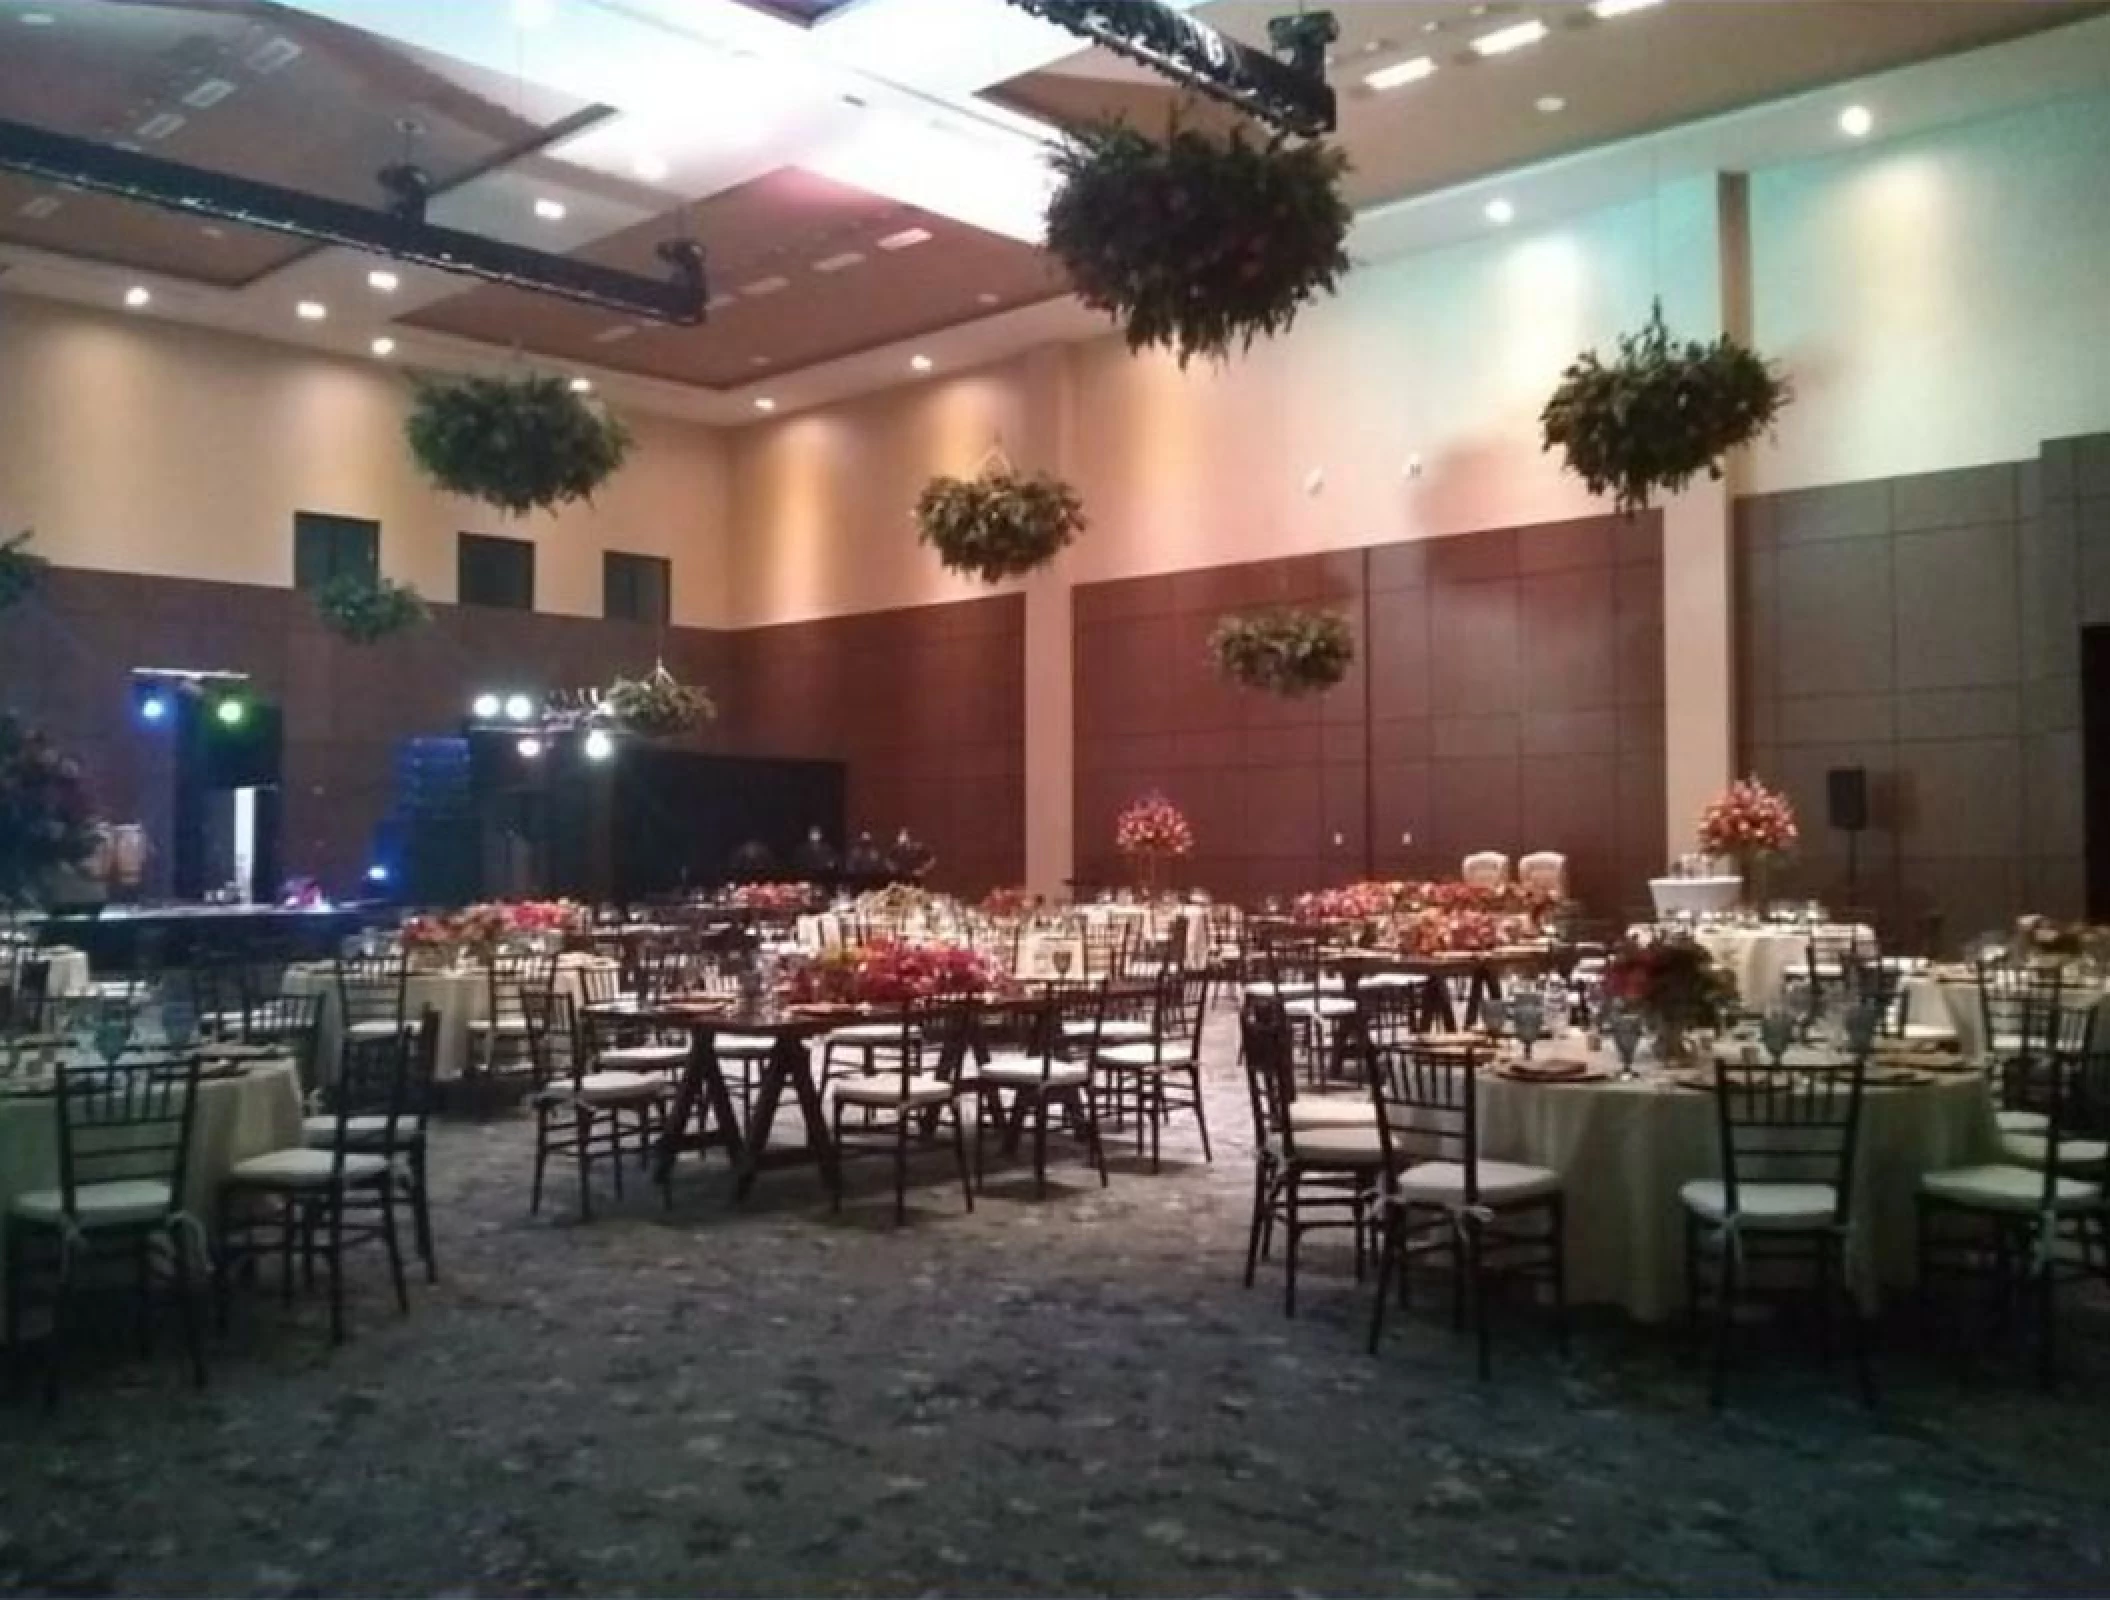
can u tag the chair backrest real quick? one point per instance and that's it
(1787, 1124)
(126, 1123)
(1544, 870)
(293, 1021)
(1270, 1072)
(1291, 964)
(390, 1082)
(1390, 1014)
(1106, 945)
(1179, 1012)
(936, 1032)
(556, 1047)
(372, 988)
(509, 979)
(1485, 869)
(600, 985)
(1427, 1107)
(2022, 1008)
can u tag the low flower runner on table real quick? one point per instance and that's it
(1752, 824)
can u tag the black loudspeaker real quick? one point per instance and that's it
(244, 754)
(1846, 798)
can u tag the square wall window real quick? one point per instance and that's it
(636, 588)
(327, 548)
(495, 572)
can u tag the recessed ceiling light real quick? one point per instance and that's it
(311, 311)
(920, 363)
(762, 286)
(648, 166)
(764, 403)
(549, 210)
(905, 238)
(383, 346)
(836, 263)
(382, 281)
(207, 93)
(985, 298)
(1400, 72)
(758, 361)
(616, 334)
(1501, 213)
(38, 207)
(1550, 103)
(1857, 122)
(159, 126)
(137, 296)
(1514, 37)
(37, 19)
(212, 230)
(582, 386)
(1619, 8)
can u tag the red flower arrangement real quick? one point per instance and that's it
(892, 972)
(1354, 902)
(480, 929)
(1674, 981)
(1009, 902)
(1153, 827)
(1748, 819)
(772, 896)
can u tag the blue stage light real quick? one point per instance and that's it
(377, 873)
(154, 708)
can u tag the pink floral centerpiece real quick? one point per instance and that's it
(1150, 832)
(1753, 824)
(778, 897)
(1009, 902)
(891, 972)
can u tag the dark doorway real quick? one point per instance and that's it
(2095, 767)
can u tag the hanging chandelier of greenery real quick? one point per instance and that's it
(1000, 523)
(20, 569)
(1661, 413)
(1286, 651)
(368, 610)
(524, 443)
(658, 706)
(1201, 241)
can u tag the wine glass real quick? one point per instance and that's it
(1625, 1030)
(1858, 1028)
(1776, 1031)
(113, 1031)
(1527, 1020)
(179, 1024)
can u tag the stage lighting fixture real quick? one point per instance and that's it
(154, 707)
(529, 747)
(485, 707)
(599, 746)
(377, 873)
(519, 707)
(231, 712)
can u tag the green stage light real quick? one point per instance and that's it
(231, 713)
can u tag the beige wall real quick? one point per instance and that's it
(138, 445)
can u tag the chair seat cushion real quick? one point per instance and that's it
(643, 1056)
(1339, 1147)
(376, 1028)
(884, 1089)
(2075, 1155)
(511, 1027)
(99, 1205)
(304, 1169)
(1289, 988)
(2035, 1122)
(1388, 980)
(1928, 1033)
(358, 1130)
(1024, 1072)
(1311, 1112)
(1142, 1056)
(1501, 1182)
(620, 1085)
(1785, 1206)
(742, 1044)
(2006, 1188)
(867, 1033)
(1323, 1006)
(1114, 1030)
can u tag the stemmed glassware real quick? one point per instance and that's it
(1625, 1030)
(112, 1032)
(1776, 1031)
(1859, 1027)
(1527, 1020)
(179, 1024)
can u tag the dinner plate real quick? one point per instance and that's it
(1552, 1072)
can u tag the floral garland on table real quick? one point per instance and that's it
(772, 896)
(46, 821)
(2049, 939)
(1153, 828)
(1659, 413)
(1198, 242)
(1674, 982)
(481, 928)
(999, 524)
(1429, 931)
(1354, 902)
(890, 972)
(1015, 901)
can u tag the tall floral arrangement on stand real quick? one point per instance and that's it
(1151, 832)
(1753, 824)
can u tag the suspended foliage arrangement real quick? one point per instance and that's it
(1661, 413)
(1202, 241)
(20, 570)
(657, 706)
(523, 443)
(998, 524)
(45, 817)
(1285, 651)
(368, 610)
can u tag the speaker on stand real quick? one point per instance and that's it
(1846, 808)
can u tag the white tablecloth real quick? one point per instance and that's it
(460, 996)
(1761, 959)
(1694, 896)
(1934, 998)
(69, 969)
(1623, 1150)
(236, 1118)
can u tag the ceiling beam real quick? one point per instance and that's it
(402, 233)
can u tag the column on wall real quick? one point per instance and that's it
(1051, 732)
(1700, 220)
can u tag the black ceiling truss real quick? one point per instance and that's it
(399, 230)
(1290, 94)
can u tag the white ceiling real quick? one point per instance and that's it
(887, 96)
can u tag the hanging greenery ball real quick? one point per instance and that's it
(998, 524)
(519, 443)
(368, 610)
(658, 706)
(20, 570)
(1286, 651)
(1202, 241)
(1661, 413)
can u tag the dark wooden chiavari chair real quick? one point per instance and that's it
(1162, 1074)
(915, 1096)
(1053, 1074)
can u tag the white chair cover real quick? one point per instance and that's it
(1544, 869)
(1486, 869)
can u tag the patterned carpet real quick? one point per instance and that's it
(1072, 1396)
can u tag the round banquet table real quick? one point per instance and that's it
(1953, 997)
(1694, 896)
(1624, 1149)
(461, 995)
(239, 1117)
(1761, 959)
